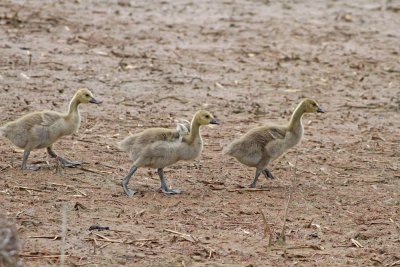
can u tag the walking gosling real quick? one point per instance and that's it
(146, 151)
(181, 131)
(262, 145)
(41, 129)
(152, 135)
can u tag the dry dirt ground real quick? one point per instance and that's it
(248, 62)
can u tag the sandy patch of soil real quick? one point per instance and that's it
(248, 62)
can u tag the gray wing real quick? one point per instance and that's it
(277, 132)
(49, 118)
(186, 123)
(264, 134)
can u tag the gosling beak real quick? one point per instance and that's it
(214, 121)
(93, 101)
(319, 110)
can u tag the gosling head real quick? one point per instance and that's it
(311, 106)
(203, 117)
(182, 129)
(85, 96)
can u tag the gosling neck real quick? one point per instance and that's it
(295, 120)
(73, 107)
(194, 132)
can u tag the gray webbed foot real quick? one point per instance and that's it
(164, 187)
(31, 168)
(125, 182)
(67, 163)
(171, 191)
(128, 191)
(253, 185)
(268, 174)
(25, 159)
(73, 163)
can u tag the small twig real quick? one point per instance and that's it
(266, 228)
(120, 231)
(102, 236)
(51, 62)
(195, 78)
(71, 187)
(172, 97)
(92, 187)
(41, 256)
(122, 54)
(104, 245)
(356, 243)
(32, 189)
(184, 236)
(292, 188)
(80, 192)
(342, 246)
(139, 213)
(63, 232)
(79, 206)
(139, 240)
(308, 225)
(95, 171)
(394, 263)
(87, 141)
(248, 189)
(315, 247)
(120, 241)
(109, 166)
(56, 237)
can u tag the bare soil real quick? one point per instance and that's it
(248, 62)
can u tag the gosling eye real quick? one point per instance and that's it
(207, 116)
(87, 95)
(314, 105)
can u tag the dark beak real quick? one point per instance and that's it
(214, 121)
(93, 101)
(319, 110)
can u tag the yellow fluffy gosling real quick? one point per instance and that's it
(147, 151)
(186, 124)
(41, 129)
(181, 131)
(262, 145)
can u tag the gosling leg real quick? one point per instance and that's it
(125, 182)
(25, 159)
(254, 183)
(65, 162)
(268, 174)
(164, 186)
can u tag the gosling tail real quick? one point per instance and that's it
(233, 148)
(126, 144)
(227, 150)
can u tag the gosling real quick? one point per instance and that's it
(181, 131)
(172, 135)
(264, 144)
(159, 134)
(146, 151)
(41, 129)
